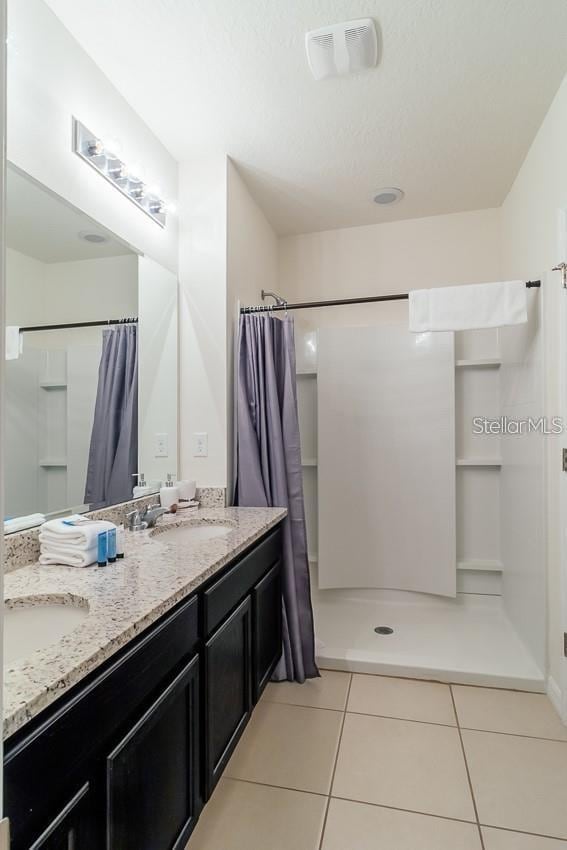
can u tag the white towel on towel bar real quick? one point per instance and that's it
(14, 342)
(461, 308)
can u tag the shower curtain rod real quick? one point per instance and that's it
(104, 323)
(281, 304)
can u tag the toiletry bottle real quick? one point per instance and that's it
(186, 490)
(169, 495)
(111, 545)
(141, 488)
(120, 542)
(102, 548)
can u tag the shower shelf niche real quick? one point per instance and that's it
(479, 462)
(480, 566)
(479, 363)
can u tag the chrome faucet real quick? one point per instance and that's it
(145, 518)
(152, 513)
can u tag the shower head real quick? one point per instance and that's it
(277, 298)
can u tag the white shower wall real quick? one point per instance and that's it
(386, 459)
(483, 636)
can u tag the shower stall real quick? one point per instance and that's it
(425, 532)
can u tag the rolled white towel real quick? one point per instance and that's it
(71, 557)
(56, 534)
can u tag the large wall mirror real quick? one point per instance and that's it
(91, 361)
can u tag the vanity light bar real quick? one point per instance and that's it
(91, 149)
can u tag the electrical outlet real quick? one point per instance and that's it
(161, 446)
(201, 444)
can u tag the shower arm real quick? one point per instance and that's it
(280, 302)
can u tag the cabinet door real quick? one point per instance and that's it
(227, 690)
(152, 776)
(267, 628)
(73, 828)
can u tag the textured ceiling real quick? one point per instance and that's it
(449, 114)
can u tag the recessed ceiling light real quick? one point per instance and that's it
(94, 238)
(389, 195)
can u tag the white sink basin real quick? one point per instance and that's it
(194, 532)
(35, 622)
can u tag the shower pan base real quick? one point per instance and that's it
(467, 640)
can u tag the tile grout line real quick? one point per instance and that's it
(433, 815)
(480, 835)
(335, 764)
(433, 681)
(523, 832)
(415, 720)
(276, 787)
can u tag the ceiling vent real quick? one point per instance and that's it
(342, 49)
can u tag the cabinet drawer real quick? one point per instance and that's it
(44, 768)
(222, 596)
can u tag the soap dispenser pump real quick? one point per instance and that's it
(141, 488)
(169, 494)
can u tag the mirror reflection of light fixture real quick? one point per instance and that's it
(104, 159)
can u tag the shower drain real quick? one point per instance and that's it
(384, 630)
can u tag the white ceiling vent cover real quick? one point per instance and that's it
(342, 49)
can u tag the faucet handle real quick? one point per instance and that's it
(134, 518)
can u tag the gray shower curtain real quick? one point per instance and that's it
(113, 455)
(268, 470)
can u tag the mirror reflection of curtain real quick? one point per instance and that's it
(113, 455)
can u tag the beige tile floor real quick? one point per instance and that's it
(369, 762)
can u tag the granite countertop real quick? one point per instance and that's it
(123, 599)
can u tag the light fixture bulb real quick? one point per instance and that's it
(137, 190)
(95, 147)
(117, 169)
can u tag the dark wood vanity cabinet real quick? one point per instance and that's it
(240, 651)
(267, 628)
(228, 690)
(127, 759)
(152, 774)
(73, 827)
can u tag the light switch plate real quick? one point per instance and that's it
(5, 834)
(161, 446)
(201, 444)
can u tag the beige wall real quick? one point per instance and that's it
(78, 291)
(387, 258)
(530, 247)
(202, 318)
(252, 255)
(228, 252)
